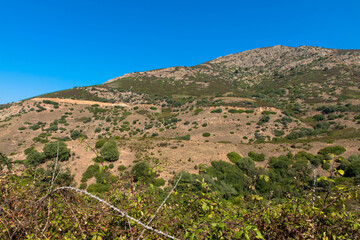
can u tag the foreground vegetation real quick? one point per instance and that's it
(224, 201)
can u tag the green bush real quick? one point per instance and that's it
(186, 137)
(142, 171)
(197, 111)
(352, 168)
(109, 151)
(74, 134)
(337, 150)
(158, 182)
(318, 117)
(218, 110)
(98, 188)
(34, 158)
(278, 133)
(100, 143)
(247, 165)
(50, 151)
(90, 172)
(257, 157)
(233, 157)
(325, 166)
(121, 168)
(206, 134)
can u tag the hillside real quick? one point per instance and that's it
(271, 97)
(261, 129)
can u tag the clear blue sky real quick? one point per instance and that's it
(52, 45)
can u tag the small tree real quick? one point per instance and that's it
(233, 157)
(50, 151)
(35, 158)
(110, 151)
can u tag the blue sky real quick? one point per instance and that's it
(53, 45)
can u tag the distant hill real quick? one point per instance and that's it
(271, 100)
(307, 73)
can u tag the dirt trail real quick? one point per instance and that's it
(84, 102)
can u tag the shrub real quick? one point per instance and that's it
(109, 151)
(34, 158)
(206, 134)
(198, 110)
(186, 137)
(263, 119)
(121, 168)
(50, 151)
(318, 117)
(218, 110)
(278, 133)
(100, 143)
(236, 111)
(233, 157)
(142, 171)
(158, 182)
(325, 166)
(98, 188)
(257, 157)
(337, 150)
(246, 165)
(74, 134)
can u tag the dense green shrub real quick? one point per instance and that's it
(34, 158)
(257, 157)
(197, 111)
(263, 119)
(74, 134)
(218, 110)
(278, 133)
(50, 151)
(247, 165)
(236, 111)
(158, 182)
(318, 117)
(233, 157)
(142, 171)
(83, 186)
(206, 134)
(325, 166)
(109, 151)
(121, 168)
(98, 188)
(337, 150)
(352, 166)
(100, 143)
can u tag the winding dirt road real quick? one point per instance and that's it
(84, 102)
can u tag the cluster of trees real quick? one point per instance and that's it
(51, 151)
(227, 200)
